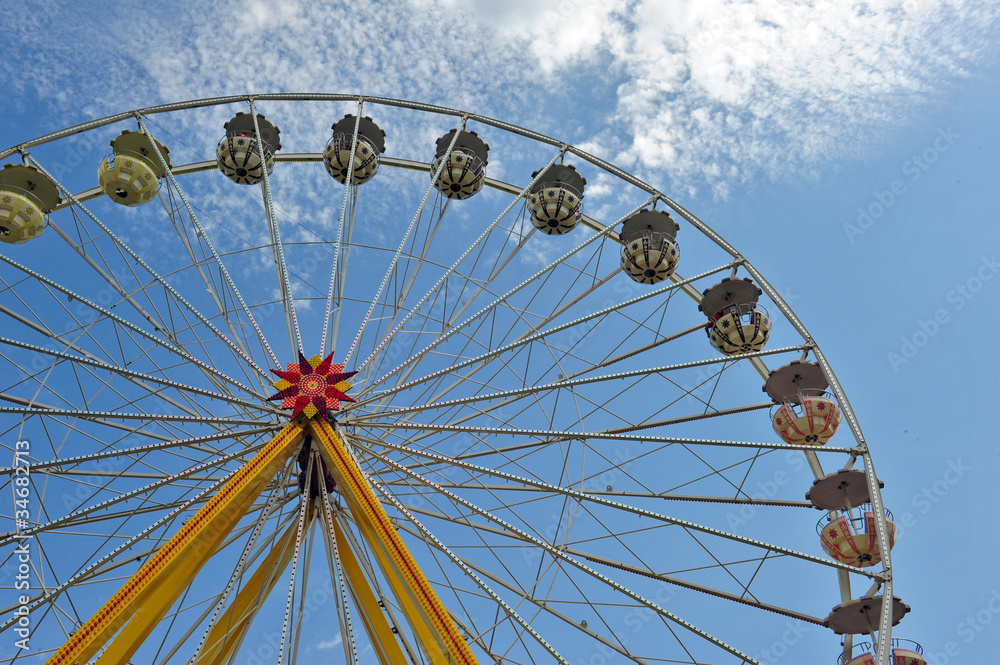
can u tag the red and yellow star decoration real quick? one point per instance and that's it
(313, 387)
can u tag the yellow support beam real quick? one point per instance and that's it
(446, 645)
(227, 634)
(131, 615)
(419, 620)
(168, 589)
(187, 550)
(377, 626)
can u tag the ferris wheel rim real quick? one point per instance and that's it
(807, 346)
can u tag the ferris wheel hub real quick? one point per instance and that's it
(312, 387)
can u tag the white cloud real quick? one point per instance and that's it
(726, 90)
(559, 32)
(329, 644)
(717, 92)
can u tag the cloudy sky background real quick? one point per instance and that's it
(848, 149)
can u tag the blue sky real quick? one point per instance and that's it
(848, 150)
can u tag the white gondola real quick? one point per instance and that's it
(237, 154)
(736, 323)
(649, 246)
(463, 168)
(370, 144)
(556, 199)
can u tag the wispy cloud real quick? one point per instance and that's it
(724, 91)
(707, 92)
(329, 644)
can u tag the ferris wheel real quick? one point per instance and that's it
(432, 389)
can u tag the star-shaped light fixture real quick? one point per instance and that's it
(313, 387)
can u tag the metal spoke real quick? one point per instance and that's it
(300, 530)
(558, 385)
(530, 280)
(75, 515)
(136, 375)
(530, 337)
(482, 236)
(279, 252)
(238, 571)
(559, 554)
(138, 259)
(204, 236)
(427, 535)
(97, 565)
(598, 500)
(173, 346)
(348, 186)
(402, 244)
